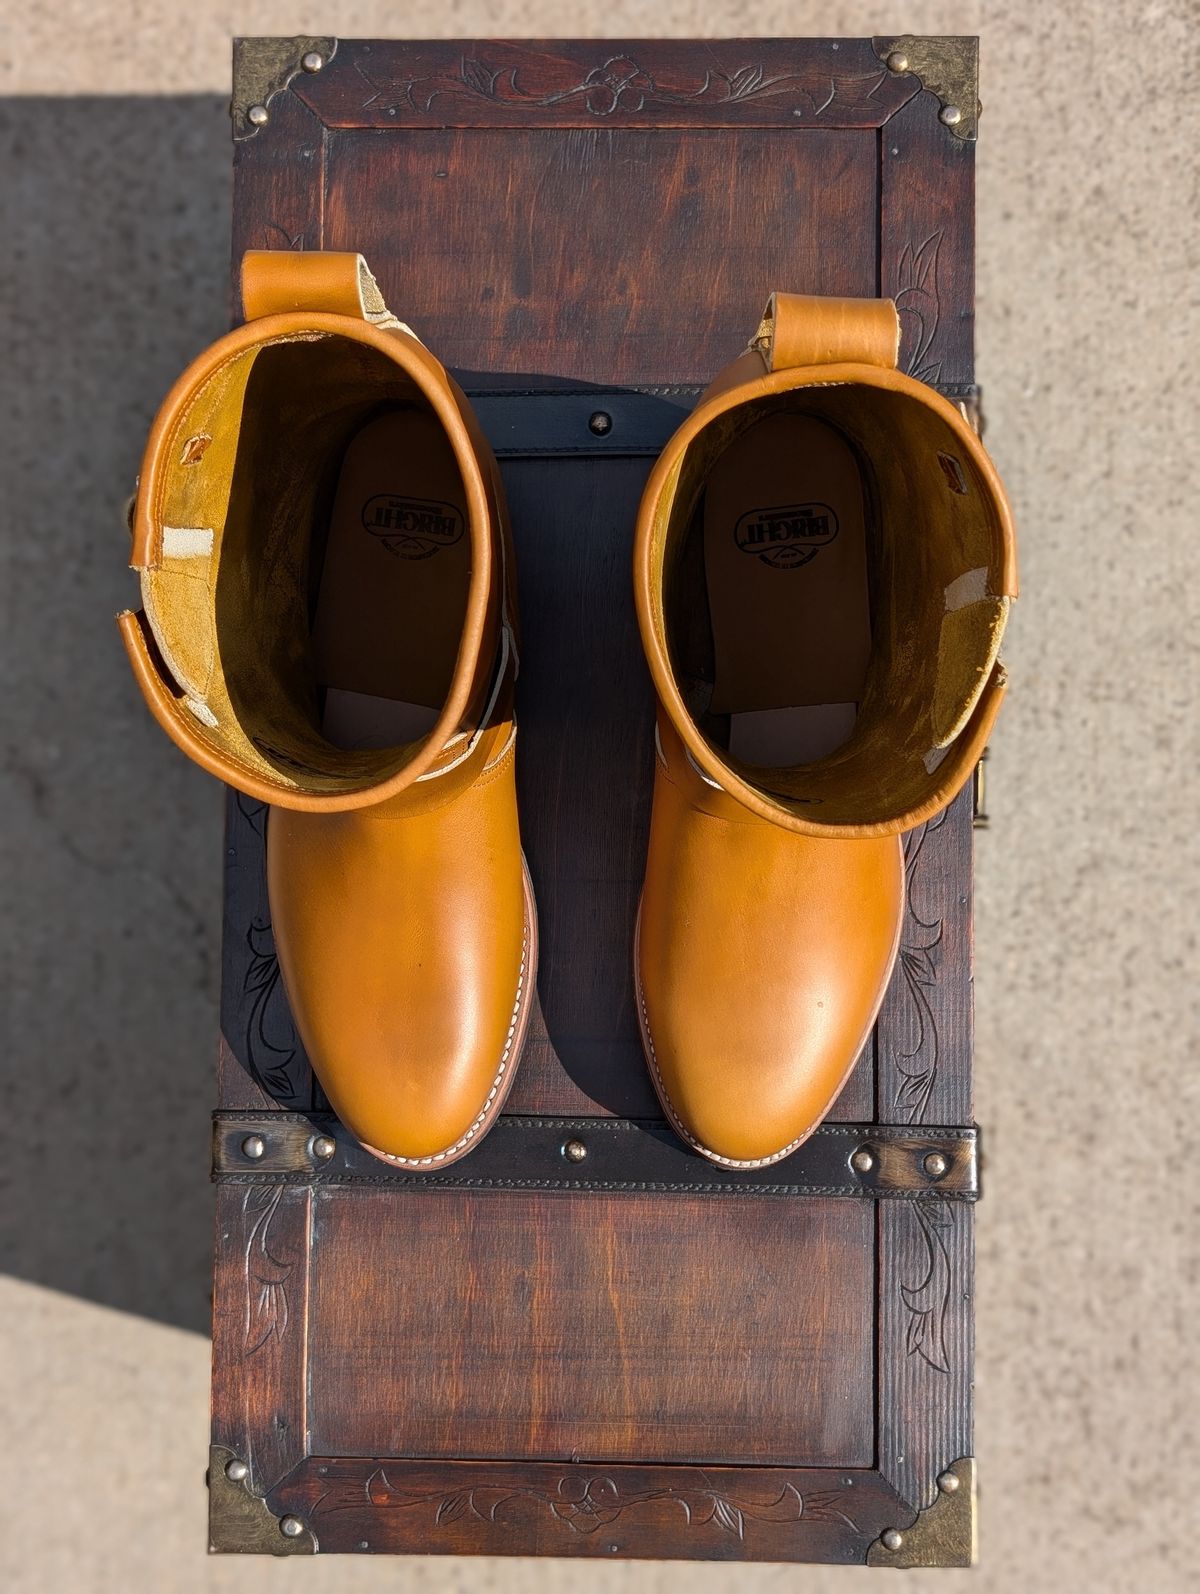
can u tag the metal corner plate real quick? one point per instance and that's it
(944, 1534)
(263, 68)
(242, 1522)
(947, 66)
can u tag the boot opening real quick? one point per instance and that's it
(833, 589)
(316, 563)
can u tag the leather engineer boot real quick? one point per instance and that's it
(327, 589)
(823, 568)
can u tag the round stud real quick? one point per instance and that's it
(237, 1471)
(897, 61)
(291, 1527)
(892, 1539)
(948, 1482)
(323, 1148)
(935, 1165)
(258, 116)
(253, 1147)
(862, 1161)
(950, 115)
(574, 1151)
(600, 423)
(312, 62)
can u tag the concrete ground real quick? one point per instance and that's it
(113, 226)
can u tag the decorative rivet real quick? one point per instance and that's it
(253, 1147)
(323, 1148)
(258, 116)
(948, 1482)
(574, 1151)
(291, 1527)
(312, 62)
(862, 1161)
(892, 1539)
(600, 423)
(897, 61)
(950, 115)
(237, 1471)
(935, 1165)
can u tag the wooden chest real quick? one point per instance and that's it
(582, 1340)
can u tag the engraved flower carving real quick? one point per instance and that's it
(619, 84)
(587, 1504)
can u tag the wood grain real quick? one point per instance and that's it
(611, 1328)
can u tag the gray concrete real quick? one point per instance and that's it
(113, 220)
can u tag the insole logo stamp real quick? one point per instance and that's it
(788, 537)
(412, 528)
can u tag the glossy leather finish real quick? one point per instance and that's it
(774, 898)
(400, 904)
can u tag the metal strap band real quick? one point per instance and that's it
(880, 1162)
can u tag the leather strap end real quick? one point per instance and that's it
(287, 281)
(800, 329)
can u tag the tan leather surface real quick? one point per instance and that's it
(407, 954)
(762, 959)
(218, 638)
(399, 902)
(801, 329)
(934, 684)
(774, 897)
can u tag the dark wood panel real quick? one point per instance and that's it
(924, 1033)
(606, 1328)
(927, 242)
(260, 1327)
(926, 1342)
(602, 256)
(402, 1507)
(778, 83)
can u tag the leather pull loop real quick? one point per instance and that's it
(799, 329)
(284, 281)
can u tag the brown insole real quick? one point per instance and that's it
(785, 556)
(393, 589)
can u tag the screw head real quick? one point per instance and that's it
(935, 1165)
(291, 1527)
(600, 423)
(862, 1161)
(892, 1539)
(948, 1483)
(897, 61)
(574, 1151)
(237, 1471)
(323, 1148)
(258, 116)
(253, 1147)
(312, 62)
(950, 115)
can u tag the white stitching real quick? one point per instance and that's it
(684, 1134)
(440, 1156)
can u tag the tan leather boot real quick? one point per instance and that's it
(823, 569)
(326, 587)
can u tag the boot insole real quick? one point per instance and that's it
(785, 556)
(393, 586)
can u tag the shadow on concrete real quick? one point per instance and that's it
(114, 216)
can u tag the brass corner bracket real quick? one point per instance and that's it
(263, 68)
(244, 1523)
(943, 1534)
(947, 67)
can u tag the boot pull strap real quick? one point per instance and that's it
(799, 329)
(287, 281)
